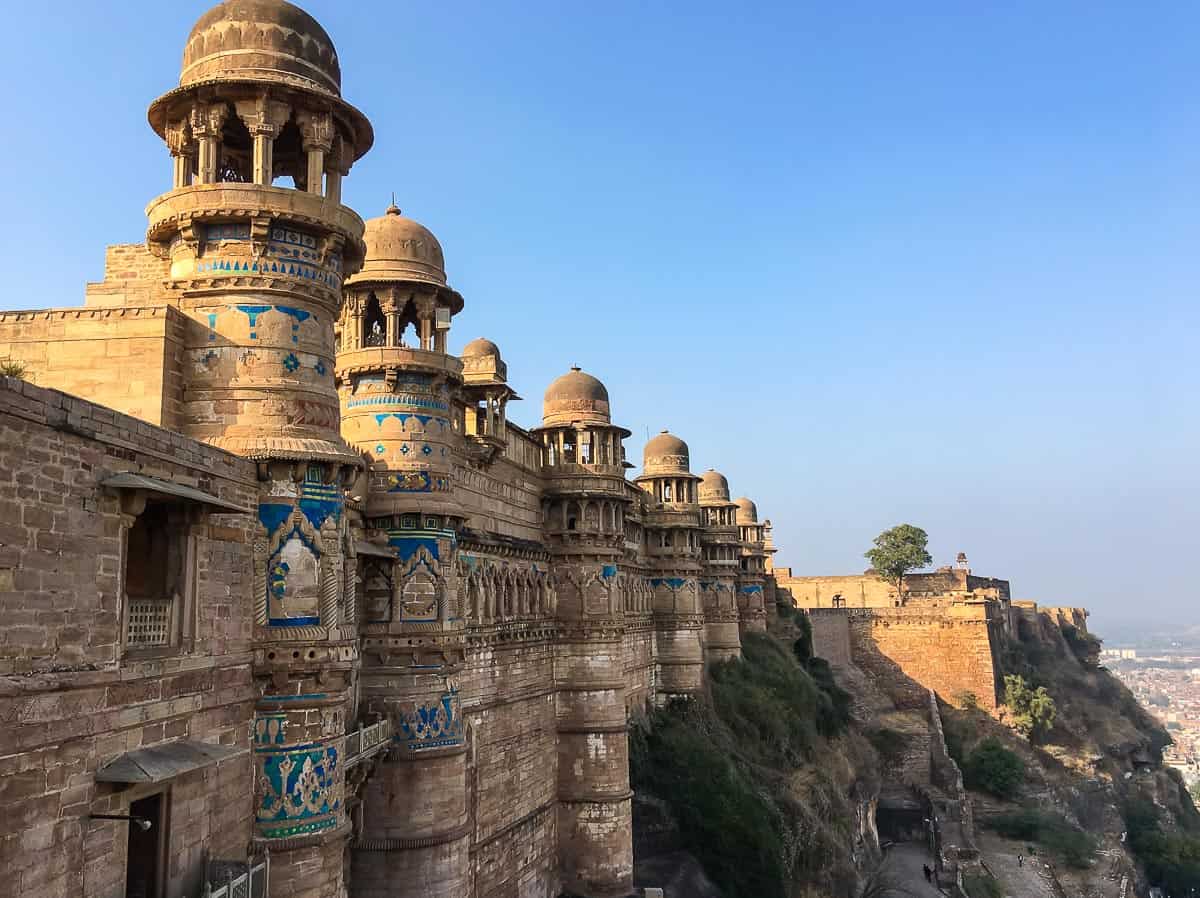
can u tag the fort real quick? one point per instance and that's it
(280, 578)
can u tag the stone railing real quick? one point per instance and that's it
(367, 741)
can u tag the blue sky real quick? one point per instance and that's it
(877, 262)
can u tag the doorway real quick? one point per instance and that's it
(146, 861)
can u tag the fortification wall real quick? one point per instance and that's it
(502, 499)
(73, 695)
(640, 653)
(858, 590)
(128, 359)
(951, 651)
(831, 635)
(508, 700)
(133, 276)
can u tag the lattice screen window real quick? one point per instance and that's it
(149, 622)
(156, 577)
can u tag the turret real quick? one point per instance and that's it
(721, 548)
(673, 545)
(583, 512)
(399, 391)
(258, 243)
(752, 575)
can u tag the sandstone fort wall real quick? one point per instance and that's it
(127, 359)
(66, 705)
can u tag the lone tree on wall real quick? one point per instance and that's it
(898, 551)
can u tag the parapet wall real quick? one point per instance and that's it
(128, 359)
(951, 650)
(831, 635)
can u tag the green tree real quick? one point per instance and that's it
(897, 551)
(1032, 711)
(993, 768)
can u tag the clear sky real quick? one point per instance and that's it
(876, 262)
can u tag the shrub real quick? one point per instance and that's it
(1172, 860)
(891, 744)
(723, 818)
(1032, 710)
(802, 648)
(1068, 842)
(980, 885)
(12, 368)
(993, 768)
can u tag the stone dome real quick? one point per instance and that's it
(665, 454)
(261, 40)
(714, 488)
(400, 249)
(747, 511)
(480, 348)
(576, 396)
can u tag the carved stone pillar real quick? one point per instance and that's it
(183, 151)
(207, 123)
(263, 118)
(337, 167)
(316, 129)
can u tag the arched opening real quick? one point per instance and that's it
(290, 162)
(374, 323)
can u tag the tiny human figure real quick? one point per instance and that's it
(1020, 860)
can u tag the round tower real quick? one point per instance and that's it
(398, 387)
(258, 243)
(752, 575)
(583, 515)
(673, 545)
(721, 550)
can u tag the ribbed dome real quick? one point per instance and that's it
(714, 488)
(400, 249)
(747, 511)
(480, 348)
(261, 40)
(575, 396)
(665, 454)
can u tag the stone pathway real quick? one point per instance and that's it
(904, 862)
(1028, 880)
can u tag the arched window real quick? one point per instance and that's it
(374, 324)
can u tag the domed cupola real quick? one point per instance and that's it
(401, 249)
(401, 285)
(747, 511)
(714, 488)
(575, 398)
(665, 454)
(487, 393)
(261, 40)
(261, 69)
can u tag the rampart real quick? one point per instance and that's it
(907, 651)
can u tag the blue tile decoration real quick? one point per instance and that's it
(320, 368)
(270, 729)
(301, 791)
(608, 571)
(750, 590)
(252, 313)
(426, 450)
(380, 449)
(290, 362)
(673, 582)
(318, 501)
(410, 481)
(437, 725)
(273, 514)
